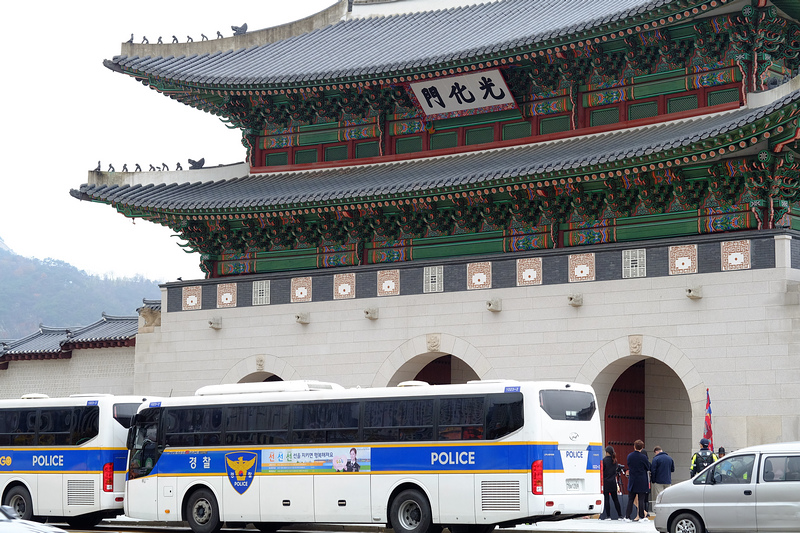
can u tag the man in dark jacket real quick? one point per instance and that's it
(638, 481)
(660, 472)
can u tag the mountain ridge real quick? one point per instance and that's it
(53, 293)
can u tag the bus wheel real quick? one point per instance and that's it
(19, 499)
(87, 521)
(410, 512)
(202, 512)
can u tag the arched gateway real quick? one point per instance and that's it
(647, 389)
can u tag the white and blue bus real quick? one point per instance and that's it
(416, 457)
(65, 458)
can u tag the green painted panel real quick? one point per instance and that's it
(518, 130)
(479, 136)
(277, 159)
(336, 153)
(408, 145)
(447, 139)
(654, 230)
(662, 87)
(554, 124)
(368, 149)
(682, 103)
(604, 117)
(307, 139)
(305, 156)
(724, 96)
(644, 110)
(458, 245)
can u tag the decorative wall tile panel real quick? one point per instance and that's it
(581, 267)
(433, 279)
(479, 275)
(192, 298)
(735, 255)
(344, 286)
(388, 282)
(529, 271)
(226, 295)
(301, 289)
(683, 259)
(261, 291)
(634, 263)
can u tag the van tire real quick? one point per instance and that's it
(19, 499)
(410, 512)
(686, 523)
(202, 512)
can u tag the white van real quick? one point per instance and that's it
(755, 489)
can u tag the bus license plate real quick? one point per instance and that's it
(574, 484)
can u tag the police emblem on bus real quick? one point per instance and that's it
(241, 469)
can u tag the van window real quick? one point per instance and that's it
(733, 470)
(567, 404)
(781, 468)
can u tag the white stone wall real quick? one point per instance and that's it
(738, 340)
(99, 370)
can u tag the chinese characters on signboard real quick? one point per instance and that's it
(469, 94)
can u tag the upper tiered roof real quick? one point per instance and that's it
(382, 47)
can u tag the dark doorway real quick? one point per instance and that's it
(624, 420)
(437, 372)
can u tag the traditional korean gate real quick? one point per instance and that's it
(624, 420)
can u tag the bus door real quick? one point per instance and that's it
(343, 493)
(141, 498)
(571, 464)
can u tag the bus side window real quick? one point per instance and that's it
(503, 415)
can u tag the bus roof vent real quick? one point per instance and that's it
(267, 386)
(34, 396)
(413, 383)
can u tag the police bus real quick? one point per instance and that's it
(65, 458)
(415, 457)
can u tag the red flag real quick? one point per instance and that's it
(707, 433)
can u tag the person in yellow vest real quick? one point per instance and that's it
(702, 458)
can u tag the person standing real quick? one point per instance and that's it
(721, 452)
(702, 458)
(610, 488)
(660, 471)
(638, 481)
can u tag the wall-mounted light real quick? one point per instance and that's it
(302, 318)
(575, 300)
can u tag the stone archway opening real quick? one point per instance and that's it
(445, 370)
(643, 398)
(258, 377)
(435, 369)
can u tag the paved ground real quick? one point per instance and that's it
(587, 525)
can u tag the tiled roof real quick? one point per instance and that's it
(426, 174)
(155, 305)
(46, 340)
(380, 45)
(109, 328)
(57, 342)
